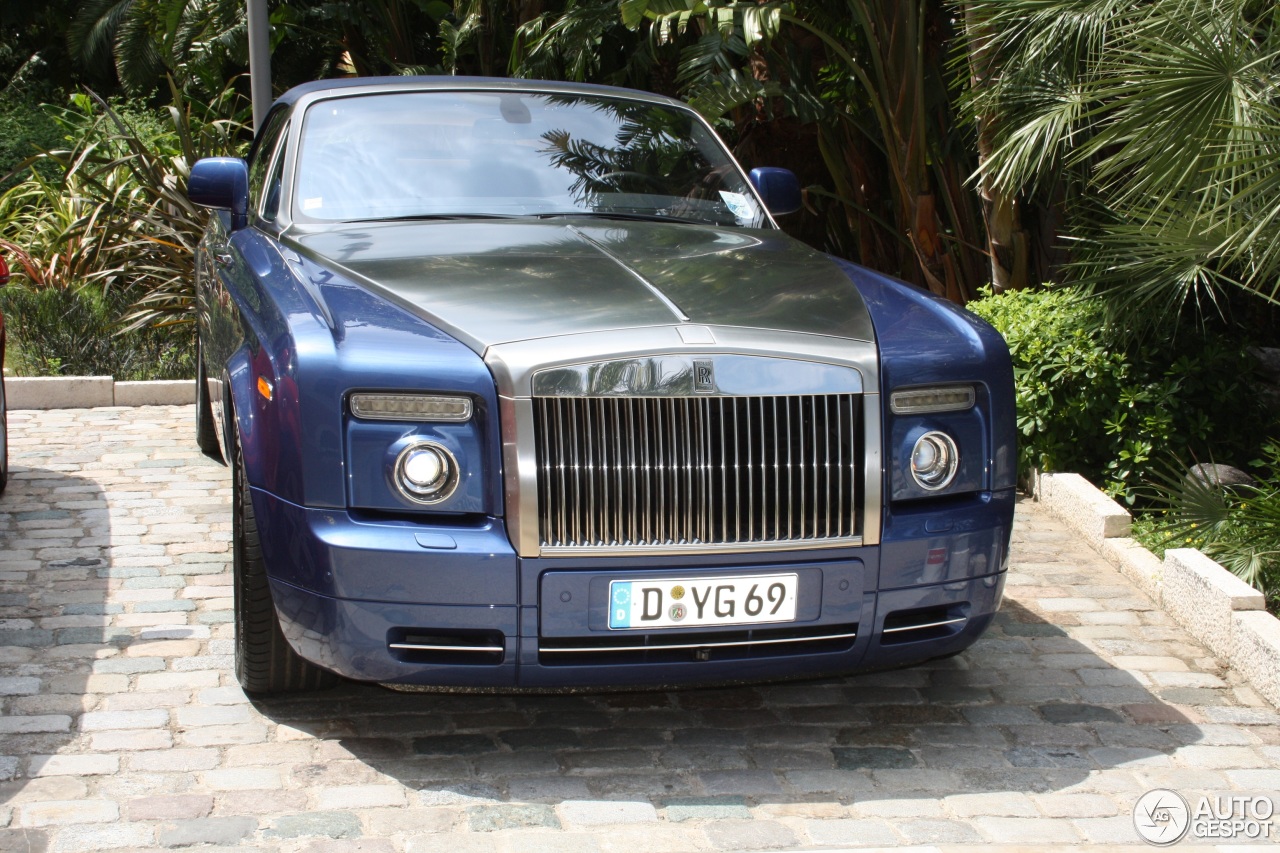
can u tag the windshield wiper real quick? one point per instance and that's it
(620, 214)
(427, 217)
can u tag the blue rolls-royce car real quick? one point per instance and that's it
(523, 388)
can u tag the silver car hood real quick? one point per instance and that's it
(496, 282)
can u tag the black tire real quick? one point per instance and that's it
(265, 662)
(4, 441)
(206, 434)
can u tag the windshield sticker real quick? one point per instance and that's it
(312, 203)
(738, 204)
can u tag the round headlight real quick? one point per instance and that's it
(426, 473)
(934, 460)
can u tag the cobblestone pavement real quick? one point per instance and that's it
(123, 728)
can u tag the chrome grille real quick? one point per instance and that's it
(697, 471)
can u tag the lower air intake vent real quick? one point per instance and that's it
(423, 645)
(683, 648)
(924, 623)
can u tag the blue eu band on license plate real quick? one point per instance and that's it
(691, 602)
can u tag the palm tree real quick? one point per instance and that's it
(139, 42)
(588, 40)
(1152, 127)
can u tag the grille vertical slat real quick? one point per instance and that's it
(724, 476)
(690, 478)
(577, 472)
(675, 509)
(590, 514)
(751, 492)
(546, 478)
(634, 534)
(827, 464)
(776, 500)
(791, 472)
(643, 473)
(563, 463)
(801, 486)
(621, 472)
(817, 459)
(839, 464)
(660, 468)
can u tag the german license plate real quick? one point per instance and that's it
(691, 602)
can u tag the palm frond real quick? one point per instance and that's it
(1151, 265)
(1180, 99)
(1237, 525)
(138, 62)
(91, 34)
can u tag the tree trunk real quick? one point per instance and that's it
(1007, 243)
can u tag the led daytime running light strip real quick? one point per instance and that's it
(410, 407)
(917, 401)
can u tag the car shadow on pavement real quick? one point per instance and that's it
(103, 534)
(54, 632)
(1026, 710)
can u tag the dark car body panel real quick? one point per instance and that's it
(435, 306)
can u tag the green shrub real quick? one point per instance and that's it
(73, 332)
(25, 129)
(1095, 407)
(108, 208)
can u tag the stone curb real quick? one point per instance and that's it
(1215, 606)
(84, 392)
(1083, 506)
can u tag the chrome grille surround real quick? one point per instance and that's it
(698, 472)
(659, 362)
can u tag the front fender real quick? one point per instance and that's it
(314, 336)
(924, 340)
(253, 329)
(246, 420)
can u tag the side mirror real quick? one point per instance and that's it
(779, 188)
(223, 184)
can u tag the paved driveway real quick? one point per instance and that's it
(122, 726)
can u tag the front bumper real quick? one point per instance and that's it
(453, 606)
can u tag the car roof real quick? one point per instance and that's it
(337, 84)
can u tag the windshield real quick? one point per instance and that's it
(447, 154)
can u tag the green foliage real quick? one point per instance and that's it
(200, 43)
(33, 47)
(1238, 525)
(204, 43)
(1151, 125)
(54, 331)
(101, 237)
(52, 238)
(588, 41)
(115, 212)
(1091, 405)
(25, 129)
